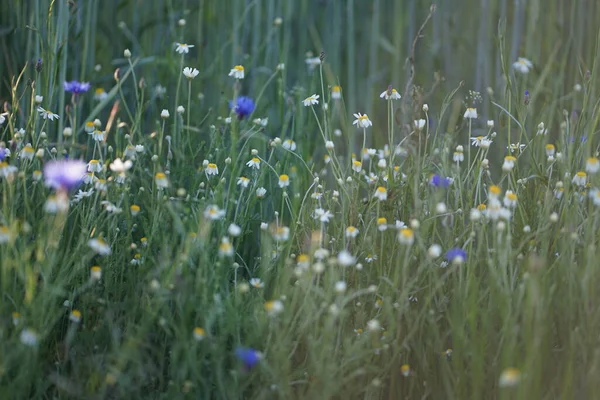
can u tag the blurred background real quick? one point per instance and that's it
(366, 45)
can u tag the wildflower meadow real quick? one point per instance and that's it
(308, 199)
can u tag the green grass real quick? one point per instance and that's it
(397, 320)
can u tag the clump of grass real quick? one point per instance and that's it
(154, 242)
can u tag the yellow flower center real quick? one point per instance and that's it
(239, 68)
(406, 233)
(284, 178)
(160, 175)
(381, 221)
(494, 189)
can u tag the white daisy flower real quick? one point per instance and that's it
(390, 94)
(471, 113)
(183, 48)
(522, 65)
(190, 73)
(362, 120)
(45, 114)
(237, 72)
(311, 100)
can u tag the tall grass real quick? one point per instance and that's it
(388, 312)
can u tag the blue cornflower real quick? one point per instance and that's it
(571, 139)
(456, 255)
(76, 87)
(248, 356)
(243, 107)
(64, 174)
(3, 153)
(439, 181)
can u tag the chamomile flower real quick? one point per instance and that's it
(45, 114)
(94, 166)
(470, 113)
(284, 181)
(592, 165)
(390, 94)
(476, 141)
(323, 215)
(516, 147)
(100, 94)
(212, 169)
(550, 150)
(595, 195)
(281, 233)
(183, 48)
(5, 234)
(509, 163)
(243, 182)
(261, 192)
(381, 193)
(289, 144)
(351, 232)
(382, 224)
(29, 337)
(580, 179)
(89, 127)
(27, 152)
(98, 135)
(237, 72)
(190, 73)
(254, 163)
(311, 100)
(494, 192)
(356, 166)
(522, 65)
(510, 199)
(100, 246)
(419, 124)
(274, 307)
(362, 121)
(160, 178)
(256, 283)
(336, 92)
(406, 236)
(119, 166)
(95, 273)
(226, 248)
(405, 370)
(260, 121)
(199, 334)
(345, 259)
(213, 213)
(134, 209)
(75, 316)
(458, 156)
(509, 377)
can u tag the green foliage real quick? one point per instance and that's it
(345, 281)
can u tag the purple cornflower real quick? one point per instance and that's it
(439, 181)
(76, 87)
(248, 356)
(526, 97)
(456, 255)
(571, 139)
(243, 107)
(64, 174)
